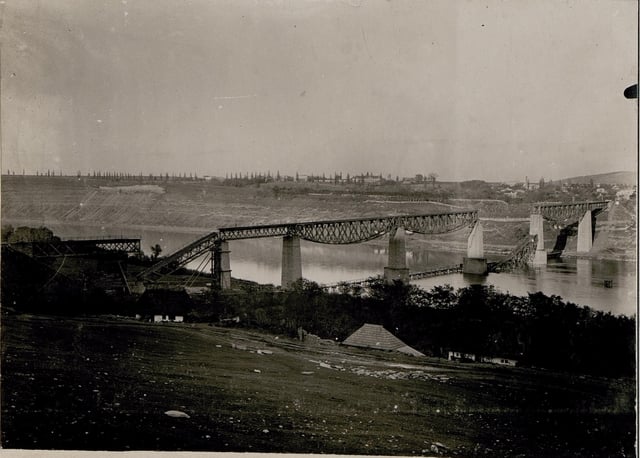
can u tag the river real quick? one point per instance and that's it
(581, 281)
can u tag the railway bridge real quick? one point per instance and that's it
(358, 230)
(334, 232)
(565, 215)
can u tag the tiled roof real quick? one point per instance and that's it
(374, 336)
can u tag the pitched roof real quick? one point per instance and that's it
(375, 336)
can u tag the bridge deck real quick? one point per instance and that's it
(85, 247)
(339, 231)
(568, 211)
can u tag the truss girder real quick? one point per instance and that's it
(567, 212)
(58, 248)
(255, 232)
(343, 232)
(329, 232)
(519, 256)
(182, 256)
(339, 232)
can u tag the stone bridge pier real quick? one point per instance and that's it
(536, 227)
(566, 214)
(585, 233)
(221, 265)
(397, 263)
(291, 261)
(475, 263)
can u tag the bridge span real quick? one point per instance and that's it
(344, 231)
(358, 230)
(565, 215)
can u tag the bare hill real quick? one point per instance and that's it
(624, 178)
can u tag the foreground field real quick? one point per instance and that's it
(106, 383)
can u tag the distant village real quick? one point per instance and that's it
(426, 184)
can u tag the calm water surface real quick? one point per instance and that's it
(580, 281)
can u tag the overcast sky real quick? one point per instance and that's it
(491, 89)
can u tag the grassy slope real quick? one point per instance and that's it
(628, 178)
(99, 383)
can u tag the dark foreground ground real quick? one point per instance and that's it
(106, 383)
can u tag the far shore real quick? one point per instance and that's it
(440, 245)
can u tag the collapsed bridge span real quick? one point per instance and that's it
(335, 232)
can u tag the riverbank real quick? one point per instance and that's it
(105, 383)
(200, 207)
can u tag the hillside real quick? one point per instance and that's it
(619, 178)
(186, 205)
(106, 383)
(198, 207)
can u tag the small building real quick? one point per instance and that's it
(163, 305)
(500, 361)
(625, 194)
(461, 356)
(472, 357)
(377, 337)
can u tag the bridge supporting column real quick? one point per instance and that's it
(475, 262)
(536, 227)
(585, 233)
(291, 260)
(397, 268)
(221, 265)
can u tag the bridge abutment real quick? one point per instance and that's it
(536, 227)
(291, 260)
(475, 263)
(397, 263)
(221, 265)
(585, 233)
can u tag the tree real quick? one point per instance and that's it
(432, 178)
(7, 231)
(156, 250)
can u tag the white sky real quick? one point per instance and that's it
(493, 89)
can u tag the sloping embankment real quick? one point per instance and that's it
(201, 207)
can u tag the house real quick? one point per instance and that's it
(500, 361)
(163, 305)
(625, 194)
(377, 337)
(472, 357)
(461, 356)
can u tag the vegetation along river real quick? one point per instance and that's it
(605, 285)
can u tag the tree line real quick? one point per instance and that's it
(537, 330)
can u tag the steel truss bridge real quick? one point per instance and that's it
(357, 230)
(61, 248)
(519, 257)
(567, 213)
(335, 232)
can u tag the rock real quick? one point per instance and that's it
(264, 352)
(434, 448)
(176, 414)
(325, 365)
(257, 371)
(307, 372)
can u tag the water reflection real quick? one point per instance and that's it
(581, 281)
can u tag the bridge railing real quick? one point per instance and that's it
(346, 231)
(180, 257)
(567, 209)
